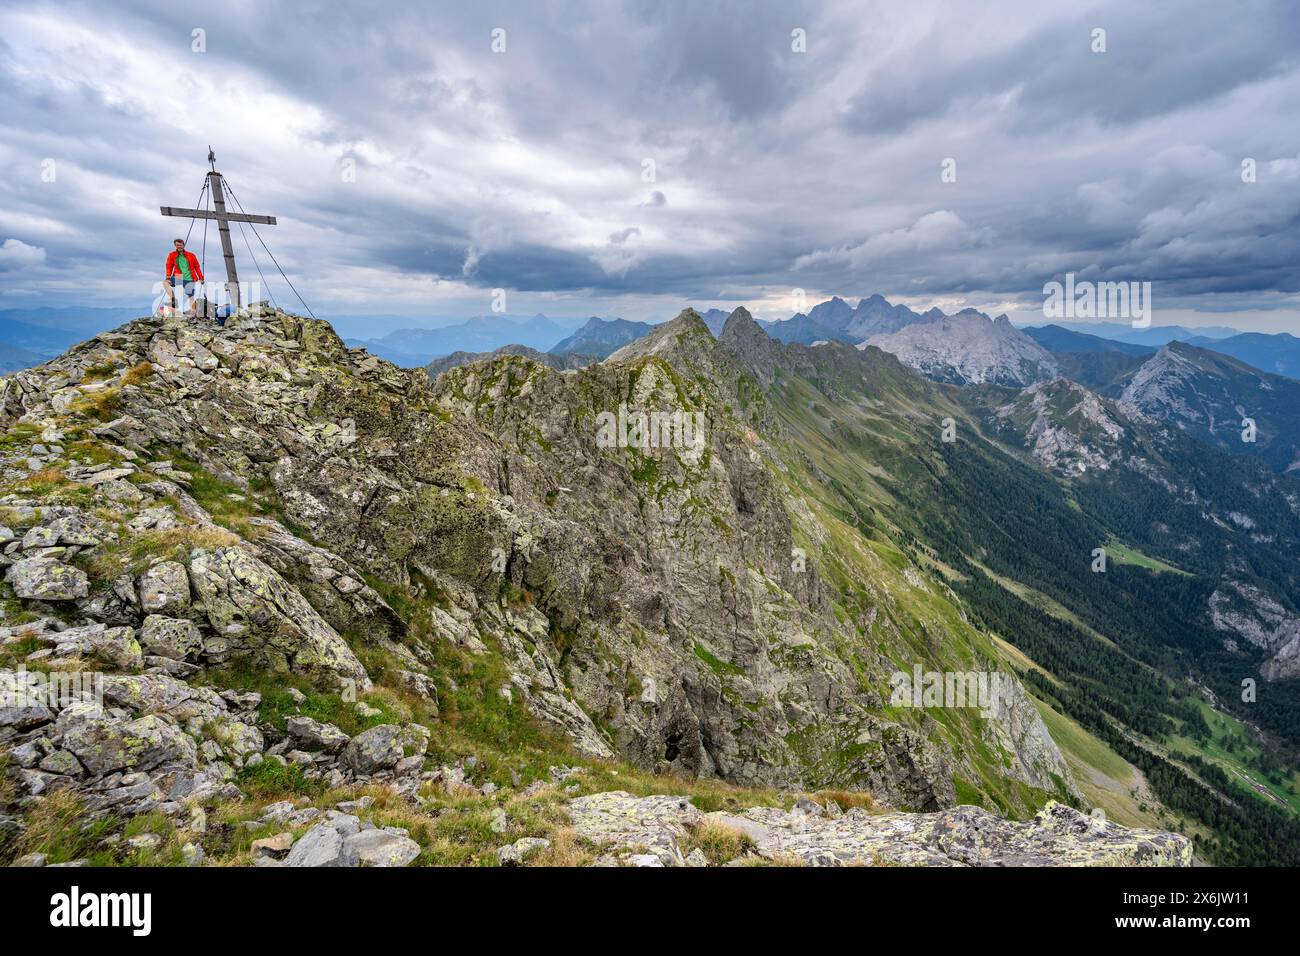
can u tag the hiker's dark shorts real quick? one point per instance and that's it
(176, 280)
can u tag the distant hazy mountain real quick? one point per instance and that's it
(49, 332)
(1057, 338)
(876, 316)
(483, 333)
(1156, 335)
(715, 319)
(13, 358)
(559, 361)
(1207, 395)
(1102, 365)
(836, 321)
(800, 329)
(1278, 353)
(600, 337)
(970, 348)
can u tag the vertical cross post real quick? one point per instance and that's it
(227, 248)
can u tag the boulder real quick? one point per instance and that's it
(115, 646)
(47, 579)
(146, 743)
(313, 735)
(274, 846)
(380, 748)
(164, 587)
(172, 637)
(24, 701)
(73, 529)
(322, 845)
(389, 846)
(518, 852)
(163, 694)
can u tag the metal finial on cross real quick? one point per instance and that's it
(224, 219)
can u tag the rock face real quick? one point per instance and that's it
(1249, 614)
(970, 348)
(962, 836)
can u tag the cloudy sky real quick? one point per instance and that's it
(630, 158)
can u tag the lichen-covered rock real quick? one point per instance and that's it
(654, 824)
(175, 638)
(164, 587)
(332, 585)
(163, 694)
(146, 743)
(47, 579)
(23, 704)
(236, 738)
(116, 646)
(380, 748)
(311, 734)
(255, 613)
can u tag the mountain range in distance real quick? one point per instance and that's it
(1205, 393)
(35, 335)
(414, 347)
(968, 347)
(1151, 335)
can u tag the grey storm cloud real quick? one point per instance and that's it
(399, 146)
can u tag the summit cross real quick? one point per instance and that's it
(224, 219)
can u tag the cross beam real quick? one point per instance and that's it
(209, 214)
(224, 219)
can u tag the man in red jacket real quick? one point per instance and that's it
(182, 270)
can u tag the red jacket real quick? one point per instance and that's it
(195, 272)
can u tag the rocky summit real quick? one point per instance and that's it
(273, 601)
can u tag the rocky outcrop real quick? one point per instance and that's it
(1253, 617)
(253, 612)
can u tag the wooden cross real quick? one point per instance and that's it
(224, 219)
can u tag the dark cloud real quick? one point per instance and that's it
(401, 145)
